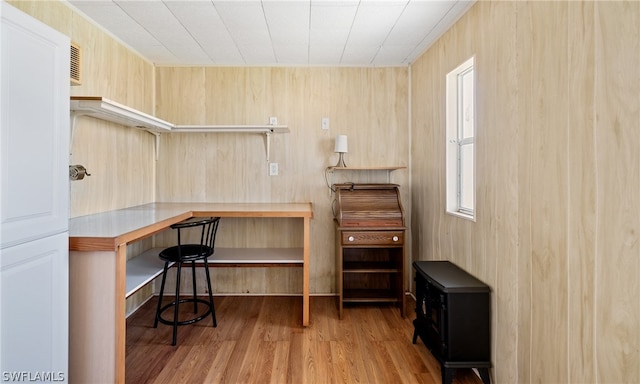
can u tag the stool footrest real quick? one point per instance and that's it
(184, 322)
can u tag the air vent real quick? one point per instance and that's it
(75, 64)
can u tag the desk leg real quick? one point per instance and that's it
(92, 321)
(305, 273)
(120, 312)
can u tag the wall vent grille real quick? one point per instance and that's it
(76, 62)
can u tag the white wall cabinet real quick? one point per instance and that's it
(34, 202)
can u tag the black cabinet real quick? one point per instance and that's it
(453, 317)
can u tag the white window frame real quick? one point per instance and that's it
(456, 172)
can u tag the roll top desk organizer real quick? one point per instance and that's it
(453, 318)
(370, 245)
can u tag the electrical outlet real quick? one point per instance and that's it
(325, 123)
(273, 169)
(273, 120)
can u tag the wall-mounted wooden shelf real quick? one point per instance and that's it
(394, 168)
(230, 129)
(266, 130)
(387, 169)
(105, 109)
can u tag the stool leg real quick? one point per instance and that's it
(484, 375)
(447, 374)
(164, 277)
(193, 281)
(213, 309)
(177, 302)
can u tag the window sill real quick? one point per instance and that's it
(462, 215)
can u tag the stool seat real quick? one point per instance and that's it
(188, 253)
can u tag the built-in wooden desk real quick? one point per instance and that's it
(98, 274)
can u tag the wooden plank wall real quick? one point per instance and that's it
(369, 105)
(558, 174)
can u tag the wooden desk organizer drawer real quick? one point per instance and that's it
(372, 237)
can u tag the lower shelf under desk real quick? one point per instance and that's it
(145, 267)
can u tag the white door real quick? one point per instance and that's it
(35, 310)
(34, 199)
(35, 129)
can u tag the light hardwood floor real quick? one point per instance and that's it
(260, 340)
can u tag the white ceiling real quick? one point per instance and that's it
(276, 32)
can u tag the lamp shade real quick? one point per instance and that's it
(341, 144)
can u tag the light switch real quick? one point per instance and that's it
(273, 169)
(325, 123)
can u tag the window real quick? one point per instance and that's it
(460, 144)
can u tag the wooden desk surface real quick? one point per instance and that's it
(97, 283)
(105, 231)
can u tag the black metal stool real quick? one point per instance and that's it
(185, 253)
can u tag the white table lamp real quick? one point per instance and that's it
(341, 148)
